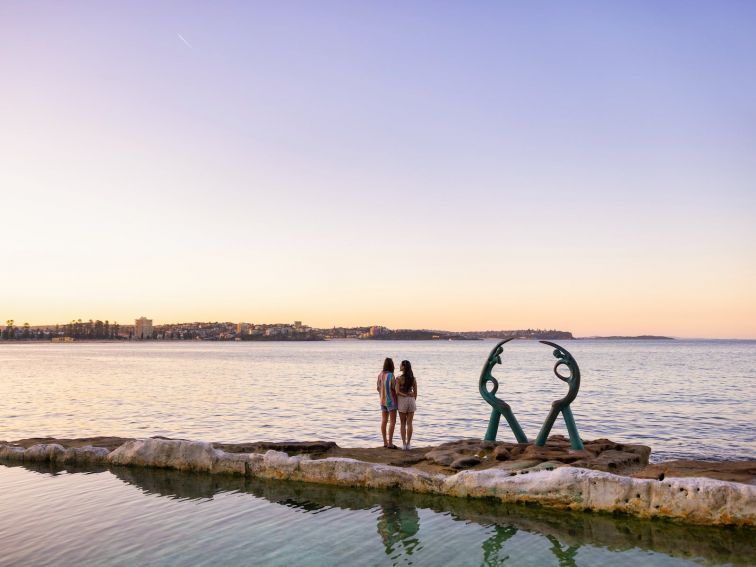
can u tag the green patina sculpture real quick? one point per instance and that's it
(500, 407)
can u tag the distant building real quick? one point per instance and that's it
(143, 328)
(377, 331)
(242, 328)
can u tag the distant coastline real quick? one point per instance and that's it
(383, 334)
(144, 330)
(629, 338)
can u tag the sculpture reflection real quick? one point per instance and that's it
(494, 545)
(398, 524)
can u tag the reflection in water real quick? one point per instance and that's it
(400, 516)
(493, 546)
(567, 555)
(398, 523)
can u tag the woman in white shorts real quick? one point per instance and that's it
(406, 393)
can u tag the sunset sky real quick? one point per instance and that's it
(586, 166)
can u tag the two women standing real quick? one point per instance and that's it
(397, 394)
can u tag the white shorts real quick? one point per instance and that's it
(406, 404)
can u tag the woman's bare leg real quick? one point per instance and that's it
(392, 425)
(384, 421)
(410, 416)
(403, 428)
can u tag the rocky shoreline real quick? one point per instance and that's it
(605, 477)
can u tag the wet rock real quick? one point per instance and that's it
(12, 453)
(447, 454)
(291, 447)
(442, 457)
(107, 442)
(597, 446)
(44, 453)
(502, 453)
(405, 459)
(516, 451)
(513, 467)
(84, 456)
(643, 451)
(465, 462)
(614, 461)
(562, 454)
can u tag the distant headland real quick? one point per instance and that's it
(631, 338)
(143, 329)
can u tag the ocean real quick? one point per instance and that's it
(684, 398)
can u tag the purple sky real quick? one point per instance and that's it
(588, 166)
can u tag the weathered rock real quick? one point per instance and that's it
(502, 453)
(516, 451)
(550, 453)
(442, 457)
(164, 454)
(696, 500)
(612, 461)
(174, 454)
(597, 446)
(513, 467)
(545, 466)
(447, 454)
(465, 462)
(12, 453)
(45, 453)
(734, 471)
(84, 456)
(285, 446)
(108, 442)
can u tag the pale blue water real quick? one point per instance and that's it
(683, 398)
(155, 517)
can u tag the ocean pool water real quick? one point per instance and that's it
(130, 516)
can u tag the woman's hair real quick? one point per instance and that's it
(388, 365)
(408, 378)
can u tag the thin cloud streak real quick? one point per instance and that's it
(181, 37)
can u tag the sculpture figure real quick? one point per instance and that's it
(562, 405)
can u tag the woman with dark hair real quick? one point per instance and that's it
(406, 392)
(386, 387)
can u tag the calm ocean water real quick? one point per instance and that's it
(686, 399)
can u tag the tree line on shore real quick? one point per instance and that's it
(77, 329)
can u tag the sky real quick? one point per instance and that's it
(584, 166)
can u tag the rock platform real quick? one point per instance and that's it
(606, 476)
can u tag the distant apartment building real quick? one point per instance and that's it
(377, 331)
(143, 328)
(242, 328)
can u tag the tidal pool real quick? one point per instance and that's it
(129, 516)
